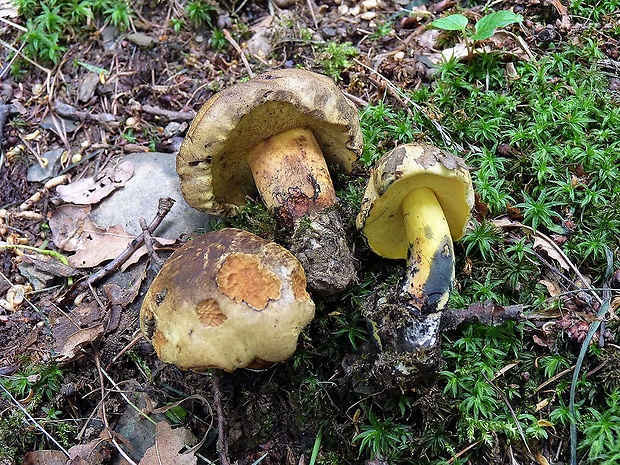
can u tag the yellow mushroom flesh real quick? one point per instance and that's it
(291, 175)
(430, 257)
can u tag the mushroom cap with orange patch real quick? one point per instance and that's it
(227, 299)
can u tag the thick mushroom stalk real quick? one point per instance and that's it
(292, 178)
(291, 174)
(276, 134)
(430, 258)
(417, 202)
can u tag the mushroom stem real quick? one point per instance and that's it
(291, 174)
(430, 257)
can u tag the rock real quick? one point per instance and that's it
(174, 128)
(37, 173)
(87, 88)
(109, 34)
(154, 177)
(284, 3)
(141, 39)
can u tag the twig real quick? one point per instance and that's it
(149, 242)
(123, 395)
(221, 446)
(447, 139)
(486, 313)
(131, 343)
(67, 111)
(169, 114)
(234, 43)
(34, 422)
(316, 25)
(512, 412)
(165, 204)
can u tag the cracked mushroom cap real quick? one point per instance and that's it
(212, 162)
(227, 299)
(395, 175)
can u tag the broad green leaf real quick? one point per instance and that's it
(486, 26)
(451, 23)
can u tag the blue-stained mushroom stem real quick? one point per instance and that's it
(430, 256)
(417, 202)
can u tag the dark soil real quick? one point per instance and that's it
(273, 414)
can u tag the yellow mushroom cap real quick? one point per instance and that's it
(395, 175)
(212, 162)
(227, 299)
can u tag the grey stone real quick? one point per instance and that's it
(88, 85)
(154, 177)
(109, 34)
(141, 39)
(37, 173)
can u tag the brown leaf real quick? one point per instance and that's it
(168, 443)
(69, 348)
(95, 452)
(45, 457)
(552, 251)
(74, 231)
(88, 191)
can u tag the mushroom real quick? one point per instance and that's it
(417, 202)
(227, 299)
(276, 135)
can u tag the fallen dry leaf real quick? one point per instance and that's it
(552, 251)
(45, 457)
(89, 191)
(168, 443)
(95, 452)
(74, 231)
(70, 348)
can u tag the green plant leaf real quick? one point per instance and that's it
(455, 22)
(486, 26)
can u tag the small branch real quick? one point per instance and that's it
(67, 111)
(234, 43)
(486, 313)
(222, 446)
(169, 114)
(149, 243)
(165, 205)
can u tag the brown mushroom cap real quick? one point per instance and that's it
(398, 173)
(227, 299)
(212, 162)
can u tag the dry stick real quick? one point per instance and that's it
(104, 416)
(165, 205)
(169, 114)
(395, 91)
(234, 43)
(129, 345)
(34, 422)
(149, 243)
(512, 412)
(222, 447)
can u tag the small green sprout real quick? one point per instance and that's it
(483, 29)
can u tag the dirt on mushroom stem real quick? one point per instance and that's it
(292, 178)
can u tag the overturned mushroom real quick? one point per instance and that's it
(276, 134)
(417, 202)
(227, 299)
